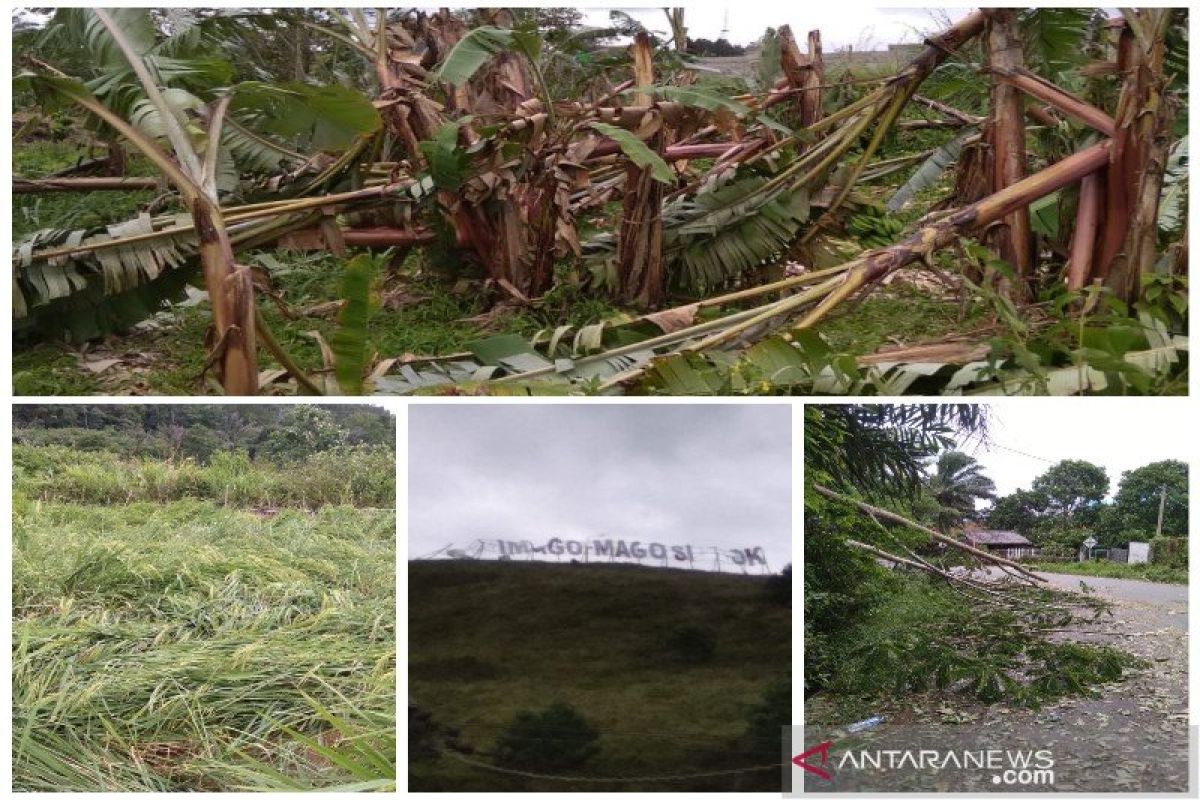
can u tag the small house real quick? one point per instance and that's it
(1006, 544)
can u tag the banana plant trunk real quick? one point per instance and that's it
(804, 73)
(877, 264)
(1087, 229)
(1140, 148)
(640, 278)
(231, 294)
(1005, 136)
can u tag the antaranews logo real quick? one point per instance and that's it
(1008, 767)
(823, 750)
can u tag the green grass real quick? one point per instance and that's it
(184, 646)
(32, 212)
(897, 314)
(1155, 573)
(487, 640)
(358, 476)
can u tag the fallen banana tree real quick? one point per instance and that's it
(658, 342)
(464, 146)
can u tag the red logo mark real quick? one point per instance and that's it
(823, 749)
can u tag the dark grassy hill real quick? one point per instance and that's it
(489, 639)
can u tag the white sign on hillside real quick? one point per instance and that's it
(614, 551)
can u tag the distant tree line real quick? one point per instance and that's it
(279, 433)
(1066, 504)
(714, 49)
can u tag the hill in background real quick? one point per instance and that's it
(488, 640)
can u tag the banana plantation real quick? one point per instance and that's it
(493, 201)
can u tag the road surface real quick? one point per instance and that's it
(1138, 725)
(1170, 596)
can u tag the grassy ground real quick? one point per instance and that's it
(488, 640)
(31, 212)
(1155, 573)
(182, 646)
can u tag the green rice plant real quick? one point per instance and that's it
(166, 646)
(353, 476)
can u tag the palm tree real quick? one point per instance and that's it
(957, 482)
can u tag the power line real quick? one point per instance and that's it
(582, 778)
(623, 733)
(1023, 453)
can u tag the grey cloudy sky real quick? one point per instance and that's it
(710, 474)
(1115, 433)
(841, 24)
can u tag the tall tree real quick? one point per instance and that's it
(1140, 494)
(955, 485)
(1018, 512)
(1073, 490)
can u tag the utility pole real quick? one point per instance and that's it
(1162, 501)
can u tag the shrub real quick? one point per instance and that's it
(1169, 551)
(692, 644)
(557, 738)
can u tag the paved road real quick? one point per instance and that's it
(1169, 598)
(1124, 589)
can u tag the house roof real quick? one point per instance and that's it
(997, 537)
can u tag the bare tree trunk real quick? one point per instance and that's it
(1005, 135)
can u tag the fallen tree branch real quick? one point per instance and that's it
(924, 566)
(39, 185)
(877, 264)
(875, 511)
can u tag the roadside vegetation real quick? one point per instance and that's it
(186, 627)
(1154, 573)
(519, 204)
(1067, 505)
(893, 625)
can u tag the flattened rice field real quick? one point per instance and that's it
(188, 638)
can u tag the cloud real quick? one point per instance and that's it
(1118, 434)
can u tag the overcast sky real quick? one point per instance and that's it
(1115, 433)
(676, 474)
(863, 29)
